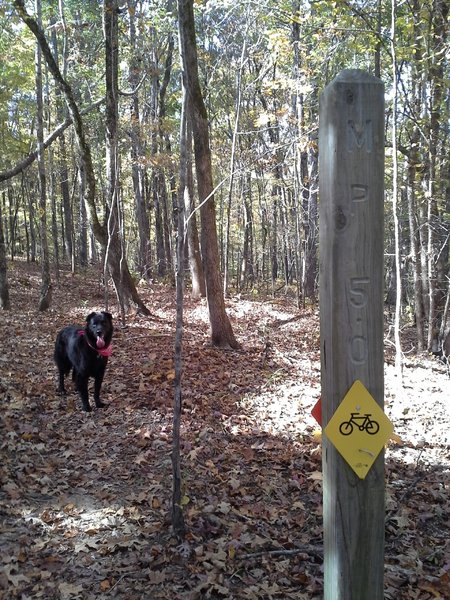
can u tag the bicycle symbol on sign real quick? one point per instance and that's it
(363, 422)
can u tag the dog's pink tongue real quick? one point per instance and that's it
(100, 342)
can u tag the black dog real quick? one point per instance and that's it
(86, 352)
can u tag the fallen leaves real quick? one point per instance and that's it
(86, 499)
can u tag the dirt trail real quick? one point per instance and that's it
(85, 498)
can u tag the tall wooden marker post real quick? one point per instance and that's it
(351, 174)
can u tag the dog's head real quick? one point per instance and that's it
(99, 329)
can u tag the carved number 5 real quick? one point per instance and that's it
(358, 295)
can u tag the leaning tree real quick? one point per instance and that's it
(109, 240)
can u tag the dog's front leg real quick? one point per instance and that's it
(82, 387)
(61, 388)
(97, 387)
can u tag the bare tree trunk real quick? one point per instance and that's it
(445, 314)
(285, 237)
(378, 46)
(157, 177)
(274, 236)
(310, 227)
(82, 221)
(63, 171)
(247, 271)
(46, 285)
(5, 303)
(276, 195)
(165, 144)
(31, 245)
(265, 232)
(110, 30)
(137, 171)
(55, 234)
(178, 523)
(415, 256)
(412, 162)
(195, 259)
(398, 294)
(221, 330)
(161, 263)
(232, 161)
(9, 224)
(436, 76)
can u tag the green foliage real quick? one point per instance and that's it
(262, 67)
(17, 103)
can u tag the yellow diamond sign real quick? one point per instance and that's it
(359, 429)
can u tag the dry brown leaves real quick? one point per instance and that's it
(85, 499)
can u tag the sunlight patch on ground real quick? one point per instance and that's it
(243, 308)
(422, 407)
(285, 411)
(200, 313)
(102, 530)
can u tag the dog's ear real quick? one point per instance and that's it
(89, 317)
(107, 315)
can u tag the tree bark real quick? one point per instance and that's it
(31, 235)
(82, 222)
(398, 279)
(436, 82)
(221, 330)
(246, 275)
(5, 303)
(165, 146)
(414, 253)
(232, 163)
(276, 195)
(63, 170)
(137, 171)
(178, 523)
(310, 226)
(46, 283)
(411, 166)
(195, 259)
(161, 263)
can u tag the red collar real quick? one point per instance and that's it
(101, 351)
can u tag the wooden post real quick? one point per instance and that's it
(351, 172)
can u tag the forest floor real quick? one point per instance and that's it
(85, 497)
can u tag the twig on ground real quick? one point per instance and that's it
(303, 550)
(119, 580)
